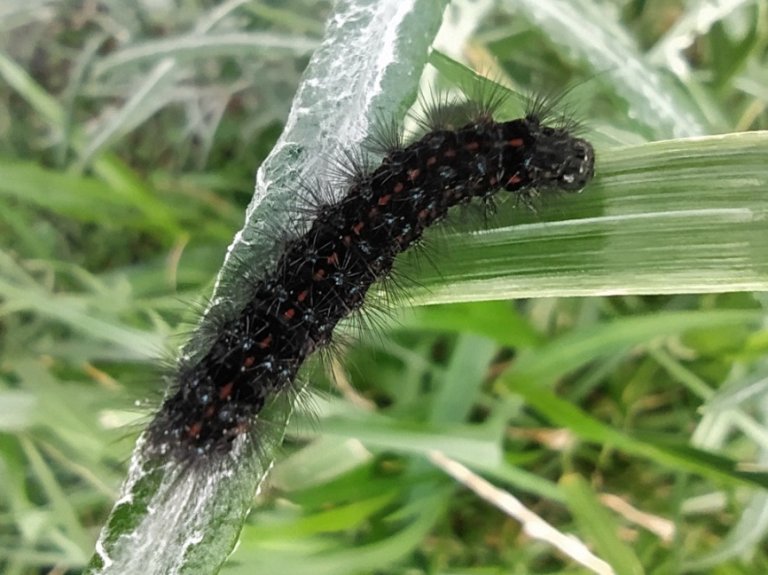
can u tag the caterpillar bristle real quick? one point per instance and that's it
(386, 136)
(554, 110)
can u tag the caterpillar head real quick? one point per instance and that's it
(557, 159)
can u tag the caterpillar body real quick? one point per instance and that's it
(323, 274)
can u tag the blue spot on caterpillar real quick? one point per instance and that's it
(323, 275)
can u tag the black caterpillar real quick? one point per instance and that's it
(323, 275)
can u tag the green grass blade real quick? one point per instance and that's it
(590, 32)
(199, 46)
(599, 526)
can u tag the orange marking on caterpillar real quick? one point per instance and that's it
(226, 390)
(384, 200)
(413, 173)
(358, 227)
(516, 142)
(302, 295)
(193, 431)
(266, 342)
(333, 259)
(249, 361)
(514, 179)
(399, 187)
(450, 153)
(319, 275)
(290, 313)
(472, 146)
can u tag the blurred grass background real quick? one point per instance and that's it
(123, 180)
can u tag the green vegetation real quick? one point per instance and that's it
(633, 417)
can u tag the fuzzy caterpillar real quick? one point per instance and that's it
(323, 275)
